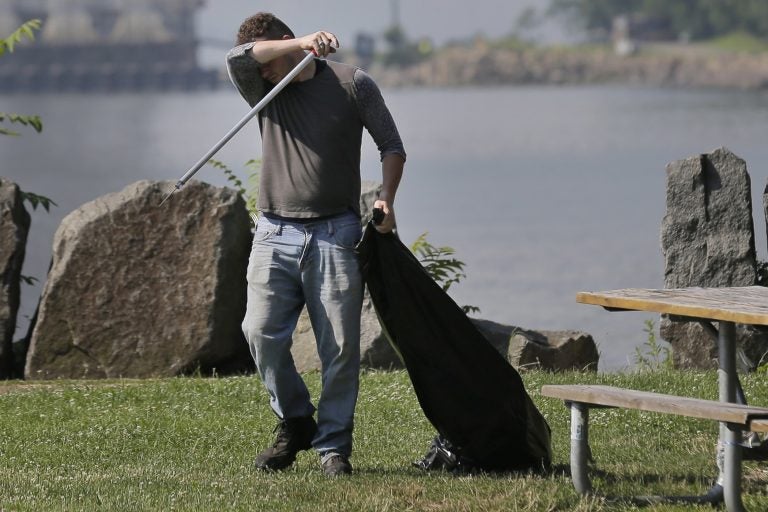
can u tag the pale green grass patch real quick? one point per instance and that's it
(188, 444)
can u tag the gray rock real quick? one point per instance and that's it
(707, 239)
(14, 227)
(545, 350)
(707, 235)
(695, 348)
(136, 290)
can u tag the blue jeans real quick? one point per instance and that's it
(293, 264)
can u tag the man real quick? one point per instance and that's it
(303, 250)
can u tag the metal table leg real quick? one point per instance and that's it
(730, 437)
(728, 487)
(580, 452)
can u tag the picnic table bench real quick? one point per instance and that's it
(727, 306)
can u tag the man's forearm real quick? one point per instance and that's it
(265, 51)
(321, 43)
(391, 173)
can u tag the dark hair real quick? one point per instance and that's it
(262, 25)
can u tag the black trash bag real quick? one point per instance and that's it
(472, 396)
(443, 456)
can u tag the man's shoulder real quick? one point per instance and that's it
(345, 72)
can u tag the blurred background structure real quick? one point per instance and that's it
(105, 45)
(545, 126)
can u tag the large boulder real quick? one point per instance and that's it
(708, 240)
(14, 227)
(139, 290)
(544, 350)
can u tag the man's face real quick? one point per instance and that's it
(276, 69)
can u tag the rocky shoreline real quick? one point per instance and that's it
(670, 66)
(136, 291)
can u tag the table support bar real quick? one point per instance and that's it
(730, 436)
(580, 453)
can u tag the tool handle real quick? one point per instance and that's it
(250, 115)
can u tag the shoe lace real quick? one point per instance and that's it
(283, 433)
(335, 459)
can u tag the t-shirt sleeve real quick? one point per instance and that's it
(376, 116)
(244, 72)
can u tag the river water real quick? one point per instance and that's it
(542, 191)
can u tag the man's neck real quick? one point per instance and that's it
(308, 72)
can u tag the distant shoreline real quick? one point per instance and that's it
(667, 66)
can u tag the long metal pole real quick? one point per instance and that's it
(250, 115)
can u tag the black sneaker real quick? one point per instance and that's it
(293, 436)
(336, 464)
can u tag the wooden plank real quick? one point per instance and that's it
(744, 305)
(758, 425)
(655, 402)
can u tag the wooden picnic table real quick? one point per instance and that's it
(727, 306)
(742, 305)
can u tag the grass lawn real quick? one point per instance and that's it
(188, 444)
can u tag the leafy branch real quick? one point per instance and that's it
(249, 193)
(29, 280)
(33, 121)
(7, 45)
(25, 31)
(441, 265)
(236, 182)
(439, 262)
(35, 199)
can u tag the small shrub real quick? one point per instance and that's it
(249, 190)
(441, 264)
(654, 355)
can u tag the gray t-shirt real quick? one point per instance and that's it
(311, 136)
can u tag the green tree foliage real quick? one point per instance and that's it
(7, 45)
(701, 19)
(36, 200)
(25, 31)
(402, 51)
(250, 191)
(440, 262)
(33, 121)
(441, 265)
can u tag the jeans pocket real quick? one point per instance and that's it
(348, 235)
(264, 231)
